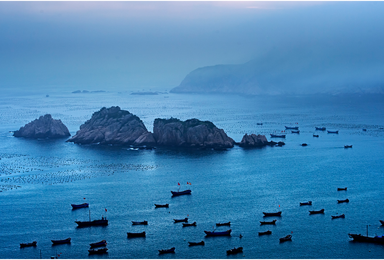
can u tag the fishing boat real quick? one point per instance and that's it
(140, 222)
(218, 233)
(343, 201)
(305, 203)
(79, 206)
(295, 131)
(273, 222)
(347, 146)
(98, 244)
(304, 144)
(98, 251)
(315, 135)
(34, 243)
(368, 239)
(382, 222)
(292, 128)
(180, 220)
(268, 232)
(189, 225)
(277, 214)
(167, 251)
(259, 123)
(161, 205)
(97, 222)
(140, 234)
(286, 238)
(235, 250)
(202, 243)
(320, 128)
(178, 193)
(333, 132)
(311, 212)
(64, 241)
(339, 216)
(277, 136)
(223, 224)
(339, 189)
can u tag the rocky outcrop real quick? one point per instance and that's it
(44, 127)
(190, 133)
(253, 141)
(113, 126)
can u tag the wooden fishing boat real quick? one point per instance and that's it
(347, 146)
(277, 136)
(98, 244)
(315, 135)
(295, 131)
(339, 189)
(268, 232)
(167, 251)
(64, 241)
(98, 222)
(339, 216)
(235, 250)
(333, 132)
(178, 193)
(382, 222)
(277, 214)
(311, 212)
(202, 243)
(305, 203)
(273, 222)
(368, 239)
(286, 238)
(79, 206)
(161, 205)
(223, 224)
(189, 225)
(320, 128)
(343, 201)
(180, 220)
(131, 234)
(140, 222)
(218, 233)
(292, 128)
(98, 251)
(34, 243)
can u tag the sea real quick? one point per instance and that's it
(40, 179)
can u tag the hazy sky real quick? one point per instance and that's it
(154, 45)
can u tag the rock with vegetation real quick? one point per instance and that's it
(254, 141)
(190, 133)
(44, 127)
(113, 126)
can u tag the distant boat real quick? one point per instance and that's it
(178, 193)
(235, 251)
(364, 129)
(223, 224)
(343, 201)
(78, 206)
(161, 205)
(333, 132)
(167, 251)
(218, 233)
(97, 251)
(34, 243)
(140, 222)
(259, 123)
(266, 214)
(180, 220)
(292, 128)
(98, 222)
(320, 128)
(304, 144)
(189, 224)
(286, 238)
(98, 244)
(362, 238)
(382, 222)
(273, 222)
(339, 216)
(311, 212)
(202, 243)
(268, 232)
(315, 135)
(347, 146)
(339, 189)
(64, 241)
(277, 136)
(296, 132)
(140, 234)
(305, 203)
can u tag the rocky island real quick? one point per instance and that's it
(44, 127)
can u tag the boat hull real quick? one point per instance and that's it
(202, 243)
(79, 206)
(275, 214)
(22, 245)
(179, 193)
(97, 251)
(101, 222)
(98, 244)
(130, 234)
(316, 212)
(59, 242)
(167, 251)
(367, 239)
(235, 251)
(216, 234)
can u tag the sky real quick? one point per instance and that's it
(129, 46)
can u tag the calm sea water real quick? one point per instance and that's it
(40, 179)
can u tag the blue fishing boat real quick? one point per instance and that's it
(218, 233)
(140, 222)
(320, 128)
(333, 132)
(64, 241)
(292, 128)
(178, 193)
(306, 203)
(79, 206)
(277, 136)
(181, 220)
(266, 214)
(311, 212)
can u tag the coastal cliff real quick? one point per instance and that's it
(44, 127)
(190, 133)
(113, 126)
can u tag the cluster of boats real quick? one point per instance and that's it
(295, 130)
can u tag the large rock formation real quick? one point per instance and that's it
(113, 126)
(44, 127)
(253, 141)
(190, 133)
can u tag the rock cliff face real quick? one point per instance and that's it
(44, 127)
(113, 126)
(190, 133)
(253, 141)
